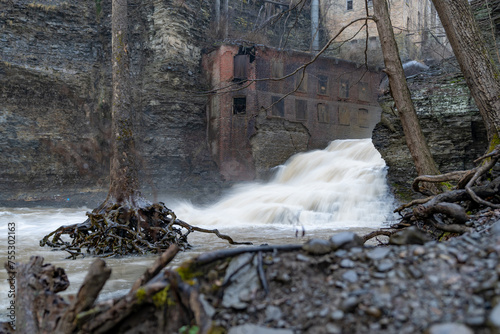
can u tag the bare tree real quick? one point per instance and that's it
(124, 187)
(415, 139)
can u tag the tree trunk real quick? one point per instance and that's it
(415, 139)
(226, 18)
(217, 16)
(481, 75)
(124, 175)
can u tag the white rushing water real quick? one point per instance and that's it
(317, 193)
(342, 186)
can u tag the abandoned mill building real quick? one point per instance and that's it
(262, 113)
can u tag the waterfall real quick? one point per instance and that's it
(342, 186)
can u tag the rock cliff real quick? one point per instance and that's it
(55, 98)
(449, 119)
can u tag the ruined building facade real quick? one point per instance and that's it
(256, 121)
(417, 29)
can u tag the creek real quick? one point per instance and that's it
(315, 194)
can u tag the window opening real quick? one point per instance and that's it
(276, 68)
(300, 110)
(301, 86)
(363, 118)
(322, 84)
(344, 116)
(349, 4)
(240, 105)
(323, 116)
(344, 89)
(240, 67)
(364, 93)
(278, 106)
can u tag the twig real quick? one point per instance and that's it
(262, 275)
(214, 231)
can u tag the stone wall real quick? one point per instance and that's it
(450, 122)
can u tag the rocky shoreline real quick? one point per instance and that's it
(439, 287)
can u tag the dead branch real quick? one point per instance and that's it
(454, 228)
(453, 176)
(159, 264)
(191, 228)
(494, 155)
(96, 277)
(374, 234)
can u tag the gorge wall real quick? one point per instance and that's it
(450, 121)
(55, 98)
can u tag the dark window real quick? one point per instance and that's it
(322, 84)
(363, 118)
(300, 110)
(240, 67)
(239, 105)
(344, 89)
(344, 116)
(301, 86)
(278, 106)
(349, 4)
(323, 116)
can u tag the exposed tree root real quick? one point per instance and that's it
(114, 229)
(447, 211)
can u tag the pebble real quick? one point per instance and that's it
(495, 229)
(350, 304)
(373, 311)
(385, 265)
(317, 246)
(350, 276)
(418, 251)
(494, 318)
(303, 258)
(346, 263)
(254, 329)
(324, 312)
(378, 253)
(345, 240)
(337, 315)
(333, 329)
(273, 313)
(449, 328)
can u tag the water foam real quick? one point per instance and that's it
(340, 187)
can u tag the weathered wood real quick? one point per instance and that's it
(38, 308)
(96, 277)
(159, 264)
